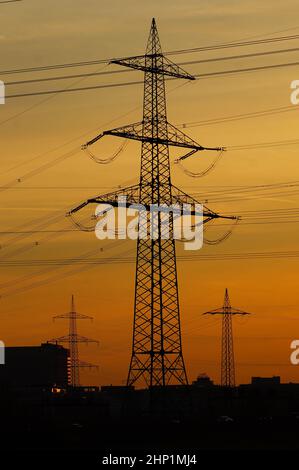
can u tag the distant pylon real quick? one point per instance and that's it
(73, 339)
(227, 348)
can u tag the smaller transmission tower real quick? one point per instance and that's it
(73, 339)
(227, 347)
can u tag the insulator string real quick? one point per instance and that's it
(105, 161)
(201, 173)
(216, 241)
(85, 228)
(223, 237)
(80, 226)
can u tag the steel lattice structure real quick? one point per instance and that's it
(72, 339)
(228, 378)
(157, 349)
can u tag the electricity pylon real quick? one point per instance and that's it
(227, 344)
(72, 339)
(157, 348)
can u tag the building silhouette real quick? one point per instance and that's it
(46, 365)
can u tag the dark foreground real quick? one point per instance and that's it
(86, 427)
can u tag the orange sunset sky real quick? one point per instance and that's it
(37, 130)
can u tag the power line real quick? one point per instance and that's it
(50, 164)
(246, 197)
(139, 82)
(206, 192)
(237, 117)
(256, 187)
(113, 72)
(92, 263)
(245, 70)
(28, 277)
(240, 56)
(261, 145)
(31, 232)
(235, 44)
(60, 188)
(48, 98)
(64, 90)
(264, 222)
(126, 260)
(55, 161)
(56, 277)
(40, 169)
(38, 157)
(223, 190)
(72, 152)
(176, 52)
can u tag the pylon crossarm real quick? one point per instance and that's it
(87, 365)
(78, 316)
(131, 193)
(61, 339)
(221, 311)
(178, 138)
(147, 63)
(133, 62)
(236, 311)
(214, 312)
(178, 210)
(92, 141)
(131, 197)
(131, 131)
(175, 138)
(174, 70)
(63, 315)
(189, 154)
(67, 338)
(179, 197)
(84, 339)
(77, 208)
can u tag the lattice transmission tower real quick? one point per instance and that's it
(228, 378)
(73, 339)
(157, 348)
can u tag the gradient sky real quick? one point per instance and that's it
(35, 33)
